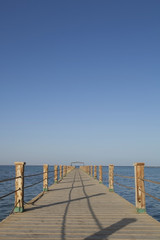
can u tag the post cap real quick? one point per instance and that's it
(139, 164)
(19, 163)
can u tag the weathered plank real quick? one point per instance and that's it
(80, 208)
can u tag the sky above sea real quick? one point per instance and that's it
(80, 81)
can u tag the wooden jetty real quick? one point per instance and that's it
(78, 207)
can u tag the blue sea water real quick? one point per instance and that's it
(152, 173)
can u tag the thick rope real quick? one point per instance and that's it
(9, 193)
(9, 179)
(146, 180)
(117, 175)
(124, 185)
(150, 195)
(34, 184)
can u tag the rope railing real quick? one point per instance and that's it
(122, 185)
(137, 186)
(6, 195)
(9, 179)
(52, 171)
(49, 178)
(37, 174)
(15, 205)
(147, 180)
(150, 195)
(33, 175)
(140, 192)
(117, 175)
(60, 171)
(42, 177)
(34, 184)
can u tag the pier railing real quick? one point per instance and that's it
(138, 182)
(58, 173)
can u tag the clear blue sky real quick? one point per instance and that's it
(80, 81)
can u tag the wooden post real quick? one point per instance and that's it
(88, 170)
(60, 172)
(45, 177)
(91, 171)
(111, 178)
(95, 172)
(55, 173)
(19, 185)
(139, 187)
(65, 171)
(69, 168)
(100, 174)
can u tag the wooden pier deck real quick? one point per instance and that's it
(80, 208)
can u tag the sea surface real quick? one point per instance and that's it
(151, 173)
